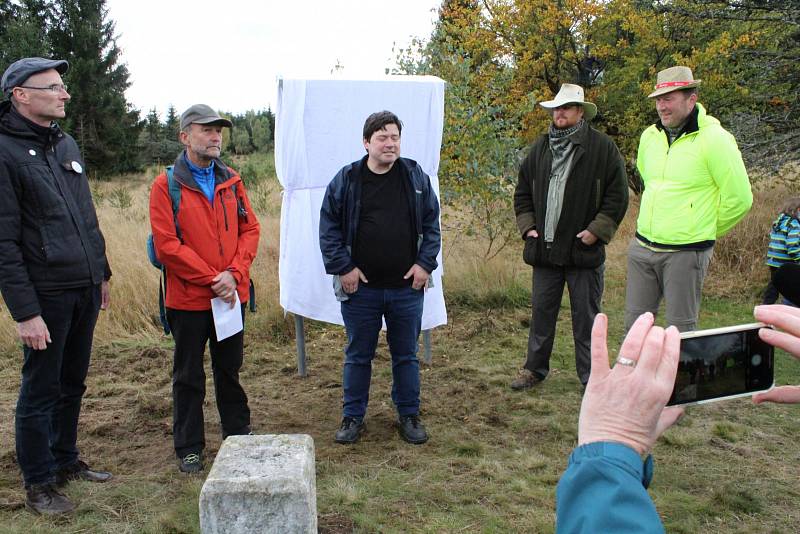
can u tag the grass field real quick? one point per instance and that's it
(495, 455)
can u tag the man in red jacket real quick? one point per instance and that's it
(207, 246)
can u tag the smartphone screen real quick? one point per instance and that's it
(722, 363)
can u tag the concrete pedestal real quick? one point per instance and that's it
(264, 484)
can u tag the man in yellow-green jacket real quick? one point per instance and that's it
(695, 190)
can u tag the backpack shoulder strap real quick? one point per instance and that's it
(174, 188)
(175, 196)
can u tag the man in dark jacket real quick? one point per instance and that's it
(53, 276)
(571, 195)
(379, 236)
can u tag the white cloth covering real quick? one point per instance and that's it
(318, 130)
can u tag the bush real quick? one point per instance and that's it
(256, 168)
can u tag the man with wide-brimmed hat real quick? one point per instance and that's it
(206, 236)
(571, 195)
(695, 190)
(54, 276)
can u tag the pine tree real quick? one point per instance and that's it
(271, 119)
(23, 30)
(98, 116)
(172, 124)
(152, 126)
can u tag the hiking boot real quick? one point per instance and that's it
(350, 430)
(191, 463)
(45, 499)
(412, 430)
(525, 380)
(80, 471)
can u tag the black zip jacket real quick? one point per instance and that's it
(50, 239)
(341, 207)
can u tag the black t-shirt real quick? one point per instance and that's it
(385, 247)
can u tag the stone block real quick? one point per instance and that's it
(263, 484)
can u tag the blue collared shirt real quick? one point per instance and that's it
(204, 177)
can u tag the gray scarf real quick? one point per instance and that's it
(563, 151)
(673, 133)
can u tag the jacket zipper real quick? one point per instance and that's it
(664, 170)
(224, 211)
(225, 218)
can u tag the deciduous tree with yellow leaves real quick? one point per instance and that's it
(501, 57)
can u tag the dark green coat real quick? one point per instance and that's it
(595, 198)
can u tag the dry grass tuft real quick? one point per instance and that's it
(469, 279)
(122, 207)
(494, 456)
(738, 266)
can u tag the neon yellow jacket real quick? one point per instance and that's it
(695, 190)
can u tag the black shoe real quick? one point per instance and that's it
(80, 471)
(412, 430)
(191, 463)
(350, 430)
(45, 499)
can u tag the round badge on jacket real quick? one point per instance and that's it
(77, 167)
(32, 152)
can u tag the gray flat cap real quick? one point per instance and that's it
(202, 114)
(19, 71)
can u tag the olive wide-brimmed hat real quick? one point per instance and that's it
(571, 94)
(674, 79)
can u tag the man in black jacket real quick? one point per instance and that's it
(571, 195)
(53, 276)
(379, 237)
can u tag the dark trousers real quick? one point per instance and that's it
(787, 282)
(53, 383)
(192, 330)
(362, 314)
(771, 293)
(585, 293)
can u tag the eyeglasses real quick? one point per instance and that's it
(566, 107)
(55, 88)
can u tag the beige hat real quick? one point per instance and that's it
(673, 79)
(571, 94)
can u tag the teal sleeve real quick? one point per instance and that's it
(604, 489)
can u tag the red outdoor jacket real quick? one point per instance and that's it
(215, 237)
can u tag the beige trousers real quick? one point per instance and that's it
(677, 277)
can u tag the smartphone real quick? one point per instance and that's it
(723, 363)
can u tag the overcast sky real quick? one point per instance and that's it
(229, 54)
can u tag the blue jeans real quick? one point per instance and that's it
(362, 313)
(53, 383)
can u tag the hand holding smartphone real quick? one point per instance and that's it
(722, 363)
